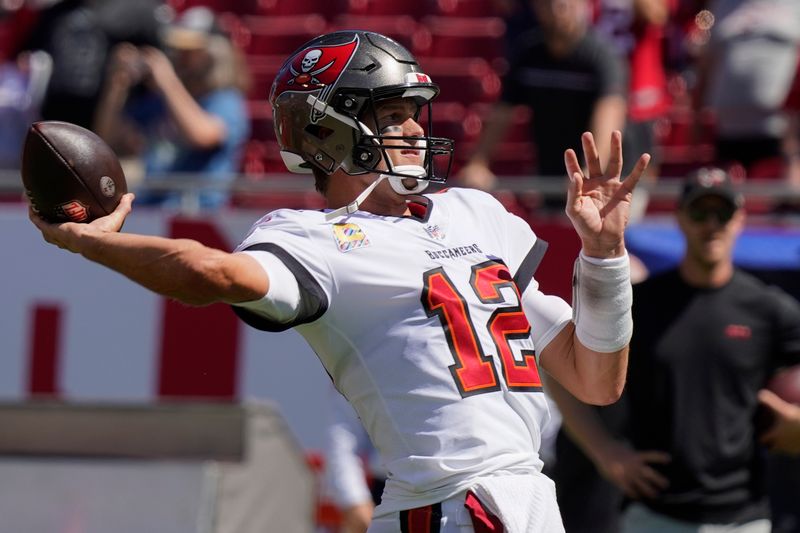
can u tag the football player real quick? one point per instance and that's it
(422, 308)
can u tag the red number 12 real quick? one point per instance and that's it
(473, 371)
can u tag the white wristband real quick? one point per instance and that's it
(602, 297)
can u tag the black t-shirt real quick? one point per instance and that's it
(698, 358)
(561, 91)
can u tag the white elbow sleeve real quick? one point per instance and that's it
(282, 301)
(601, 302)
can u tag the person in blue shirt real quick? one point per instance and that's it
(185, 114)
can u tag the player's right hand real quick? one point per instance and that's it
(67, 235)
(631, 470)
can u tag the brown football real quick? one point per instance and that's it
(785, 383)
(69, 173)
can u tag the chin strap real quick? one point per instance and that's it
(396, 182)
(352, 207)
(408, 172)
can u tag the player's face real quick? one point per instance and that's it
(398, 118)
(711, 225)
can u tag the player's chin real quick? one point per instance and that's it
(409, 183)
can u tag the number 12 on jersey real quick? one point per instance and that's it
(474, 371)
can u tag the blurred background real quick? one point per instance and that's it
(104, 365)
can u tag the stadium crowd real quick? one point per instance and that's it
(179, 89)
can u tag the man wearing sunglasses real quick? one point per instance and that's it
(707, 338)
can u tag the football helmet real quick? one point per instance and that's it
(323, 93)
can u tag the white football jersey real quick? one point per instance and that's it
(419, 323)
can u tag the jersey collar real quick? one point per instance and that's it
(420, 208)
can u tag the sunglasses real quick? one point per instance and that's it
(723, 215)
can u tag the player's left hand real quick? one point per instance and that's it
(784, 435)
(599, 204)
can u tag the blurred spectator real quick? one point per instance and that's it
(637, 30)
(744, 76)
(355, 478)
(189, 117)
(571, 79)
(22, 85)
(78, 34)
(518, 17)
(708, 337)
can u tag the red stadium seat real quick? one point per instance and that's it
(261, 123)
(416, 8)
(769, 168)
(14, 29)
(281, 35)
(679, 150)
(232, 24)
(464, 80)
(262, 157)
(514, 159)
(260, 165)
(465, 38)
(263, 70)
(467, 8)
(401, 28)
(326, 8)
(448, 121)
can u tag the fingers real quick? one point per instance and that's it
(637, 477)
(41, 224)
(638, 171)
(648, 483)
(772, 400)
(615, 157)
(126, 202)
(574, 191)
(34, 217)
(571, 163)
(114, 221)
(591, 154)
(575, 177)
(784, 411)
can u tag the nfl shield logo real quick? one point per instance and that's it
(435, 232)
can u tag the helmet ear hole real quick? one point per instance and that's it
(348, 103)
(366, 158)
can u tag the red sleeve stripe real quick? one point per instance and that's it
(482, 519)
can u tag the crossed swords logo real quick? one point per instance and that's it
(308, 63)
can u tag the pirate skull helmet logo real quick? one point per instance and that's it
(307, 66)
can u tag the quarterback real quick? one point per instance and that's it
(422, 308)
